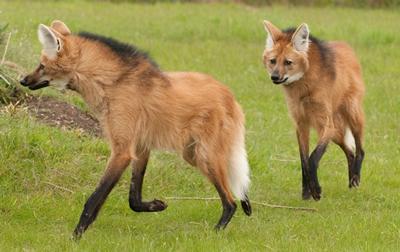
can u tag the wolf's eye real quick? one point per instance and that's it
(288, 62)
(41, 66)
(272, 61)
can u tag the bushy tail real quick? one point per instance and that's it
(239, 171)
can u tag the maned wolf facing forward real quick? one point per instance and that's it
(142, 108)
(324, 90)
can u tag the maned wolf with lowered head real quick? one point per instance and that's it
(324, 90)
(142, 108)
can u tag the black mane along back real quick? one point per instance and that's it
(123, 50)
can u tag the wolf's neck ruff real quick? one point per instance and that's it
(105, 63)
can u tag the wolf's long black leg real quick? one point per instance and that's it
(356, 169)
(116, 166)
(350, 160)
(303, 134)
(306, 194)
(313, 162)
(228, 209)
(135, 192)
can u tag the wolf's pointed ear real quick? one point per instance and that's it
(300, 38)
(50, 43)
(60, 27)
(273, 33)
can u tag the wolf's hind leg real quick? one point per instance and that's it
(346, 144)
(358, 131)
(359, 157)
(218, 176)
(214, 169)
(135, 192)
(228, 204)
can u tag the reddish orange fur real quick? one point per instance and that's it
(189, 112)
(142, 108)
(329, 100)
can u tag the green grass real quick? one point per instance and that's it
(226, 41)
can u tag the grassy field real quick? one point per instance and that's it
(46, 174)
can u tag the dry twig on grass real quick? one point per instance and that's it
(253, 202)
(59, 187)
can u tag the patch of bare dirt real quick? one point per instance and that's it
(63, 115)
(46, 109)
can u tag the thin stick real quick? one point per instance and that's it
(59, 187)
(285, 207)
(5, 50)
(4, 79)
(254, 202)
(191, 198)
(283, 160)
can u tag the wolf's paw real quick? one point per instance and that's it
(354, 181)
(156, 205)
(315, 191)
(77, 234)
(151, 206)
(306, 194)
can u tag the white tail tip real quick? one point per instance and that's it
(349, 140)
(239, 168)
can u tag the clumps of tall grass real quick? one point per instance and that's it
(10, 72)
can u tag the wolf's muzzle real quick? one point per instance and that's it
(33, 86)
(24, 82)
(278, 81)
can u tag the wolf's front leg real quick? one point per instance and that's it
(303, 136)
(135, 192)
(116, 165)
(325, 130)
(313, 161)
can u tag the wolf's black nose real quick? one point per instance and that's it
(23, 82)
(275, 77)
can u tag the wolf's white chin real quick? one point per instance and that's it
(293, 78)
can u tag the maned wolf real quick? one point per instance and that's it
(324, 90)
(142, 108)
